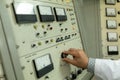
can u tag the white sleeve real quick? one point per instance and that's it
(107, 69)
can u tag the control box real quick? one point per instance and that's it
(110, 26)
(42, 30)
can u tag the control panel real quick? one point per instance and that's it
(42, 30)
(110, 28)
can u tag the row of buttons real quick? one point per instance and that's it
(59, 39)
(39, 43)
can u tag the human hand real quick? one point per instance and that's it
(79, 58)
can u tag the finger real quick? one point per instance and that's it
(72, 49)
(69, 61)
(70, 53)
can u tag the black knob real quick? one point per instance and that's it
(63, 55)
(73, 76)
(79, 71)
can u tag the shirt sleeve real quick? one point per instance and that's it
(91, 65)
(107, 69)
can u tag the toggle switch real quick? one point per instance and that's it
(37, 34)
(45, 32)
(33, 45)
(73, 76)
(79, 71)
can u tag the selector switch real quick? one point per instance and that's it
(64, 55)
(73, 76)
(79, 71)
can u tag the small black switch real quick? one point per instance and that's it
(48, 25)
(79, 71)
(73, 76)
(33, 45)
(37, 34)
(62, 39)
(45, 32)
(118, 12)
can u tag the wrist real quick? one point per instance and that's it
(91, 65)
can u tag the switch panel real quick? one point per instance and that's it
(110, 12)
(112, 50)
(43, 65)
(112, 36)
(41, 38)
(111, 2)
(111, 24)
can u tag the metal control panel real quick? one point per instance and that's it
(42, 29)
(110, 28)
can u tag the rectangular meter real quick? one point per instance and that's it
(45, 13)
(111, 24)
(110, 2)
(112, 50)
(60, 14)
(24, 13)
(112, 36)
(43, 65)
(110, 12)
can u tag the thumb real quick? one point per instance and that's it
(69, 61)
